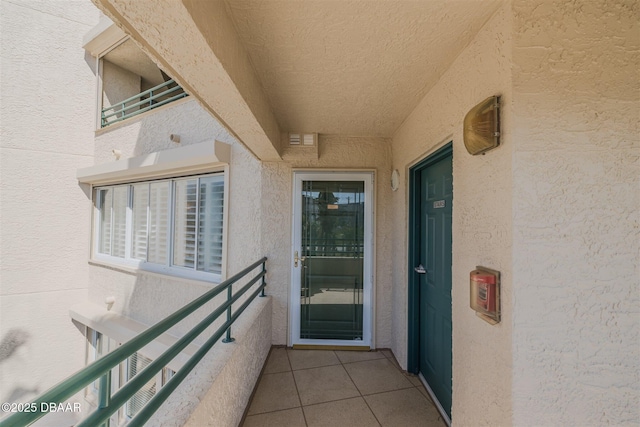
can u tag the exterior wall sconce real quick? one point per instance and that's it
(482, 126)
(395, 180)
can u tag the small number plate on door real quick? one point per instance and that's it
(438, 204)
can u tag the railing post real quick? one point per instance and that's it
(229, 296)
(104, 394)
(264, 283)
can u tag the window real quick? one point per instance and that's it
(136, 363)
(173, 226)
(95, 350)
(98, 345)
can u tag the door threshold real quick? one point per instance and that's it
(331, 347)
(439, 407)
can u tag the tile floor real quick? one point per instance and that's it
(338, 388)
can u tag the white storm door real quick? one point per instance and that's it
(331, 259)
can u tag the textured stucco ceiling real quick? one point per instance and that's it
(352, 67)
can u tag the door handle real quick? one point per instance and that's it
(296, 259)
(420, 269)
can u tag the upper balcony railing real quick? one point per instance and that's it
(157, 96)
(101, 368)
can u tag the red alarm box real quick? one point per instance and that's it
(485, 293)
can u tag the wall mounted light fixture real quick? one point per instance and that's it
(395, 180)
(482, 126)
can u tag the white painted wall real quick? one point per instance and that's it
(554, 208)
(118, 84)
(576, 207)
(335, 152)
(149, 297)
(232, 369)
(482, 190)
(226, 377)
(47, 134)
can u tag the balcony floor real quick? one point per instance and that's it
(338, 388)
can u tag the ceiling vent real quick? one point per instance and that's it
(304, 139)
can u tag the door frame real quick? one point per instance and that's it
(368, 271)
(413, 259)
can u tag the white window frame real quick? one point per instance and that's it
(92, 354)
(119, 374)
(168, 268)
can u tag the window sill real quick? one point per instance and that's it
(137, 270)
(122, 329)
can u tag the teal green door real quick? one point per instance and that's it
(433, 252)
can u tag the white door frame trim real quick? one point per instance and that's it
(294, 312)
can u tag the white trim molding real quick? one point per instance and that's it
(367, 177)
(102, 37)
(121, 329)
(204, 157)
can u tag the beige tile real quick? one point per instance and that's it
(348, 412)
(304, 359)
(278, 361)
(375, 376)
(414, 379)
(404, 408)
(288, 417)
(324, 384)
(388, 354)
(275, 392)
(358, 356)
(424, 392)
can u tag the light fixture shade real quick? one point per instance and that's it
(482, 126)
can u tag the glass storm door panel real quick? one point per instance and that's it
(332, 240)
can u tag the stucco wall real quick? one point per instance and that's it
(335, 152)
(232, 370)
(149, 297)
(576, 211)
(46, 135)
(118, 84)
(229, 372)
(482, 190)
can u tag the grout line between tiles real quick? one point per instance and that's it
(390, 391)
(295, 383)
(362, 396)
(343, 365)
(332, 401)
(315, 367)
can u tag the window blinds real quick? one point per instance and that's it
(120, 202)
(136, 363)
(105, 200)
(210, 224)
(158, 222)
(140, 216)
(184, 243)
(139, 210)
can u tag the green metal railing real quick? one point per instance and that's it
(101, 369)
(157, 96)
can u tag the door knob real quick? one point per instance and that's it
(420, 269)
